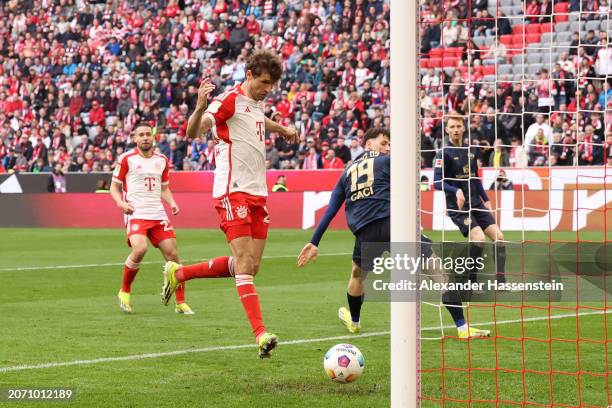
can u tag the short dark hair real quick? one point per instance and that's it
(142, 123)
(373, 133)
(265, 62)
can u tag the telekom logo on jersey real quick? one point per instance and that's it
(261, 132)
(149, 183)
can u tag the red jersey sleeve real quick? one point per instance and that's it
(121, 169)
(166, 173)
(220, 111)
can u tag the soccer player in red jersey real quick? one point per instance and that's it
(239, 193)
(140, 182)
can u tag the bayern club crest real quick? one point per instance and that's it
(241, 211)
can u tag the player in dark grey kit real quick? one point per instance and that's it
(366, 188)
(467, 204)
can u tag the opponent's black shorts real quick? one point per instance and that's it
(478, 216)
(378, 232)
(426, 251)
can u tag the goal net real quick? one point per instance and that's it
(533, 80)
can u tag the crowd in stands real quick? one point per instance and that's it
(560, 115)
(76, 75)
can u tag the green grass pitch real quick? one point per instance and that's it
(55, 312)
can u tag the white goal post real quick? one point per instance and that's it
(404, 193)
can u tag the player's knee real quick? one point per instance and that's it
(255, 268)
(244, 264)
(172, 255)
(138, 253)
(477, 235)
(356, 272)
(499, 236)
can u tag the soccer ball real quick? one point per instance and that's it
(343, 363)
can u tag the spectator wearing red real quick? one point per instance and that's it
(220, 7)
(330, 161)
(284, 106)
(97, 116)
(252, 25)
(173, 9)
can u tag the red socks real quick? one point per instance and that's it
(250, 303)
(180, 293)
(130, 269)
(214, 268)
(221, 267)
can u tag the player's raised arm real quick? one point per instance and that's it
(310, 250)
(198, 122)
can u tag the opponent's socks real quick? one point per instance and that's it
(355, 303)
(453, 304)
(475, 251)
(219, 267)
(500, 261)
(250, 303)
(130, 269)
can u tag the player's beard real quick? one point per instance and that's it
(146, 149)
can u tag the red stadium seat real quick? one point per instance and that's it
(518, 40)
(424, 63)
(455, 51)
(489, 70)
(545, 27)
(561, 12)
(518, 29)
(532, 29)
(450, 62)
(435, 63)
(562, 8)
(506, 39)
(533, 38)
(436, 52)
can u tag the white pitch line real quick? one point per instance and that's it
(244, 346)
(179, 352)
(35, 268)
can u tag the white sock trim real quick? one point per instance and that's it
(230, 265)
(244, 280)
(131, 264)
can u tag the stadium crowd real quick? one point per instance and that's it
(76, 75)
(560, 115)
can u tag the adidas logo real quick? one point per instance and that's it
(247, 110)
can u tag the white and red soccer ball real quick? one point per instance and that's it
(344, 363)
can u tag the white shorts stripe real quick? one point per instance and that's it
(228, 209)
